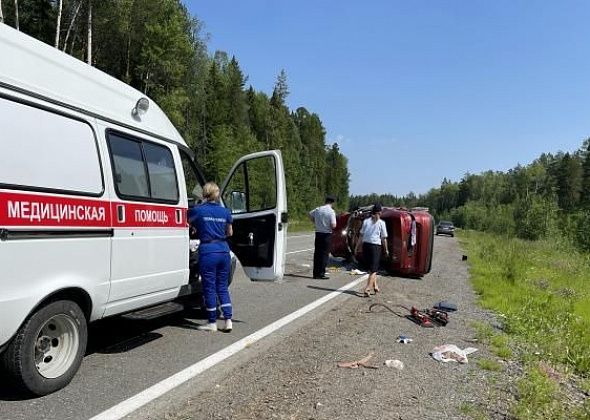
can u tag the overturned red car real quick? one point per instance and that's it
(410, 239)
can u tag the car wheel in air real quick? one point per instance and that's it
(48, 348)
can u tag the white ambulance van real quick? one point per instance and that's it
(95, 183)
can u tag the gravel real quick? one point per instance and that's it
(296, 377)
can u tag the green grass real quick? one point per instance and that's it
(538, 397)
(489, 364)
(303, 225)
(500, 346)
(471, 410)
(541, 292)
(499, 343)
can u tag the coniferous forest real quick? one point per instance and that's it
(548, 198)
(158, 48)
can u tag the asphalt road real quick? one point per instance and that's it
(125, 357)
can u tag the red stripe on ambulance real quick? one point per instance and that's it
(141, 215)
(31, 210)
(47, 210)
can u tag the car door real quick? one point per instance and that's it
(255, 192)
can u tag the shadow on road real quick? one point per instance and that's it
(8, 393)
(310, 277)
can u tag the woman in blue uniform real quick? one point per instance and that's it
(213, 225)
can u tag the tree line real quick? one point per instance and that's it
(548, 198)
(157, 47)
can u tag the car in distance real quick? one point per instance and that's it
(445, 228)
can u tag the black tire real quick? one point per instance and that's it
(19, 358)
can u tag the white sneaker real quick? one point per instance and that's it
(208, 327)
(226, 326)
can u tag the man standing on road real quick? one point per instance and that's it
(324, 219)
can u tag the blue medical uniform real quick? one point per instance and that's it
(210, 220)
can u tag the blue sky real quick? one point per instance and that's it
(414, 91)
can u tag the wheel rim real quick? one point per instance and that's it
(57, 345)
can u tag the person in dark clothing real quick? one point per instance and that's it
(324, 220)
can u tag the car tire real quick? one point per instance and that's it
(48, 349)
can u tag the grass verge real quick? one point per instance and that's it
(489, 364)
(541, 293)
(301, 226)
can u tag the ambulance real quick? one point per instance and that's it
(95, 183)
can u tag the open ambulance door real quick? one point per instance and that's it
(256, 194)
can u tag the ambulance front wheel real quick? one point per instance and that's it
(48, 349)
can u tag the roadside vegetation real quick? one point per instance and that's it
(540, 291)
(546, 199)
(301, 225)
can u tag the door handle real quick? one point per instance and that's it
(251, 239)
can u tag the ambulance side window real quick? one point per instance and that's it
(130, 174)
(143, 171)
(43, 150)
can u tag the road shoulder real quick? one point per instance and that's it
(295, 374)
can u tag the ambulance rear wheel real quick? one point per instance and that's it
(48, 349)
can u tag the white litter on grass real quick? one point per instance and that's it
(451, 353)
(396, 364)
(357, 272)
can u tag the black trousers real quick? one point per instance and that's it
(321, 253)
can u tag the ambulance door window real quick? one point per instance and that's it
(161, 172)
(251, 189)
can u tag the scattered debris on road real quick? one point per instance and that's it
(443, 305)
(396, 364)
(451, 353)
(404, 339)
(427, 318)
(355, 364)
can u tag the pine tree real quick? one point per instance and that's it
(569, 182)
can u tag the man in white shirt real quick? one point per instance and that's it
(324, 219)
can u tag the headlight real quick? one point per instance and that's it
(344, 232)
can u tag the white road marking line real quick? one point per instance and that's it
(300, 236)
(301, 250)
(155, 391)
